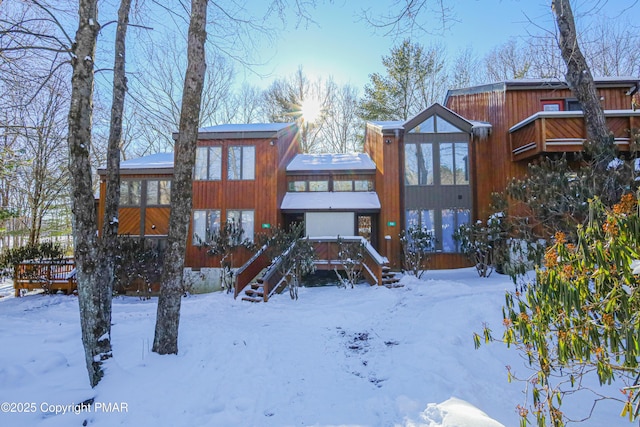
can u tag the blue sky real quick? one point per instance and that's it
(346, 47)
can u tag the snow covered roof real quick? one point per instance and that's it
(247, 127)
(331, 162)
(159, 162)
(244, 131)
(388, 125)
(326, 200)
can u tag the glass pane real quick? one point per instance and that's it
(448, 228)
(248, 162)
(363, 185)
(134, 192)
(446, 163)
(425, 163)
(200, 171)
(412, 218)
(446, 127)
(426, 219)
(233, 216)
(318, 185)
(215, 163)
(247, 225)
(152, 192)
(165, 192)
(410, 164)
(124, 193)
(425, 127)
(234, 162)
(464, 217)
(342, 185)
(298, 186)
(213, 223)
(199, 227)
(462, 163)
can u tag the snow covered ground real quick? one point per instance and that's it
(368, 356)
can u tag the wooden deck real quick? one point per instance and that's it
(51, 276)
(565, 132)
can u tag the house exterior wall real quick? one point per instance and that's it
(262, 195)
(504, 106)
(385, 151)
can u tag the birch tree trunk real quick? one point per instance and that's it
(93, 254)
(580, 80)
(109, 243)
(95, 333)
(171, 290)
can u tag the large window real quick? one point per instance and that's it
(243, 218)
(451, 220)
(130, 192)
(205, 224)
(208, 164)
(418, 164)
(242, 163)
(454, 168)
(158, 192)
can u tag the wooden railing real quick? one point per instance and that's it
(564, 131)
(327, 250)
(327, 258)
(250, 270)
(50, 275)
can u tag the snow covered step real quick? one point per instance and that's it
(252, 299)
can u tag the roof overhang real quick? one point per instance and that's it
(244, 131)
(361, 201)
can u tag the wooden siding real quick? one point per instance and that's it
(263, 194)
(156, 221)
(389, 163)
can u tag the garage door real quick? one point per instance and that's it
(330, 224)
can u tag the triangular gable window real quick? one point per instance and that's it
(446, 127)
(436, 124)
(425, 127)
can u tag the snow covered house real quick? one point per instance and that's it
(437, 169)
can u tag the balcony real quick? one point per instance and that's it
(565, 132)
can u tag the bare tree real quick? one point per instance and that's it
(341, 132)
(466, 69)
(507, 62)
(168, 317)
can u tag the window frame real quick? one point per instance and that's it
(207, 225)
(241, 213)
(157, 201)
(127, 194)
(209, 164)
(243, 172)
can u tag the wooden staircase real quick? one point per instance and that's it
(389, 278)
(257, 280)
(254, 292)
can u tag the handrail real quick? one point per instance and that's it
(250, 269)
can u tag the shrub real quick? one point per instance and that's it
(138, 265)
(417, 245)
(580, 317)
(351, 254)
(484, 243)
(40, 251)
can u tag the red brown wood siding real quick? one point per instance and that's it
(385, 150)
